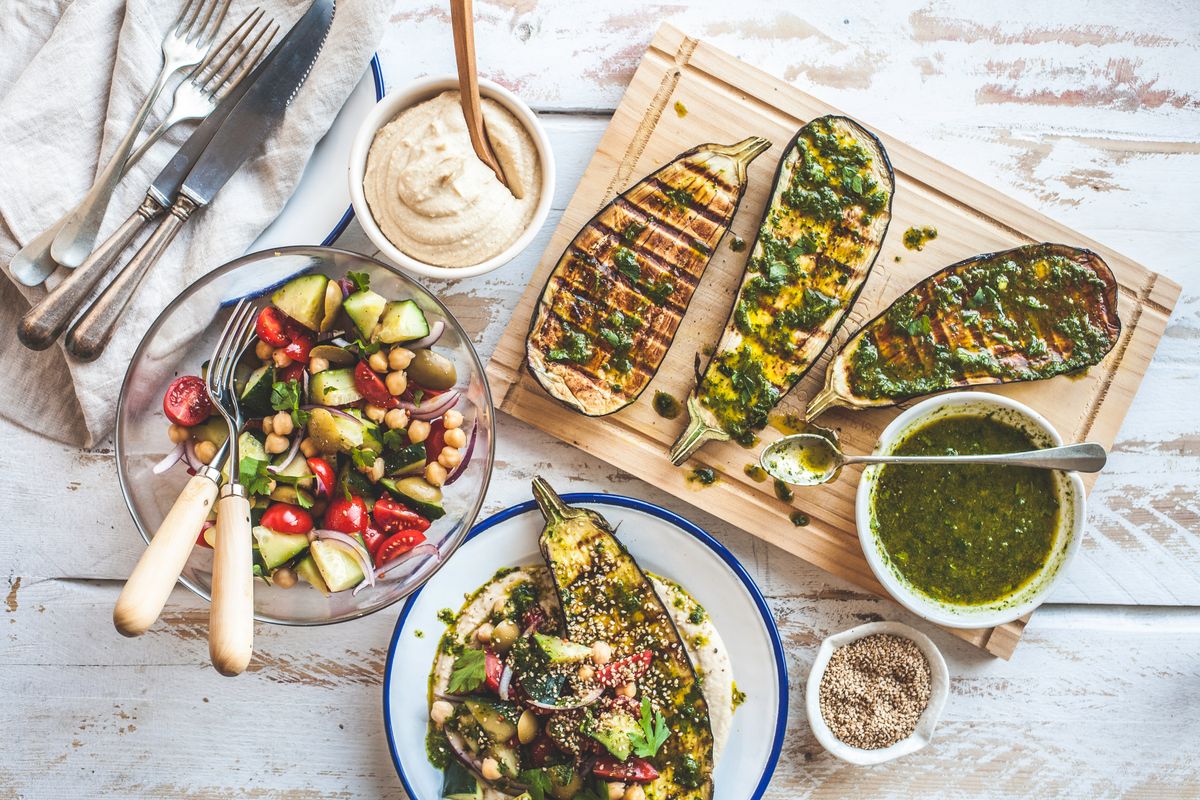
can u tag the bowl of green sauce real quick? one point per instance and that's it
(968, 545)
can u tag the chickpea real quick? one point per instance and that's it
(628, 689)
(308, 447)
(282, 424)
(399, 358)
(268, 424)
(375, 413)
(281, 359)
(205, 451)
(504, 635)
(177, 434)
(263, 350)
(317, 364)
(452, 419)
(435, 474)
(284, 578)
(585, 674)
(396, 382)
(276, 444)
(271, 484)
(483, 634)
(527, 727)
(376, 471)
(396, 418)
(616, 791)
(490, 770)
(418, 431)
(601, 653)
(440, 711)
(450, 457)
(455, 437)
(635, 792)
(378, 361)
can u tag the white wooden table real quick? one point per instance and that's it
(1090, 113)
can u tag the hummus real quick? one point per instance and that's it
(435, 200)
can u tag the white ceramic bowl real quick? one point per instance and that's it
(921, 735)
(1072, 513)
(406, 97)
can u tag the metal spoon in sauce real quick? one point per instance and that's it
(806, 459)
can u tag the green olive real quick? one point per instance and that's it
(504, 635)
(432, 371)
(567, 790)
(324, 431)
(527, 727)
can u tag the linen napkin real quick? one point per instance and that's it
(72, 77)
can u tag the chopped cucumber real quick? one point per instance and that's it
(255, 399)
(459, 784)
(418, 494)
(334, 387)
(212, 430)
(364, 309)
(408, 460)
(507, 758)
(303, 299)
(306, 570)
(614, 731)
(402, 321)
(277, 548)
(498, 718)
(250, 447)
(561, 651)
(340, 569)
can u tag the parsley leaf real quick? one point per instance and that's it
(536, 781)
(286, 397)
(627, 263)
(362, 457)
(469, 671)
(653, 733)
(395, 439)
(254, 476)
(361, 280)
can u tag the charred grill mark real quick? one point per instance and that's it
(700, 210)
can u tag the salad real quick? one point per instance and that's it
(353, 428)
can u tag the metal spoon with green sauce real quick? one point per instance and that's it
(806, 459)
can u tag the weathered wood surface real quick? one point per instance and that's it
(1088, 112)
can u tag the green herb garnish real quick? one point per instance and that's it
(361, 280)
(652, 734)
(469, 672)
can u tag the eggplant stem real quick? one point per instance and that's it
(823, 401)
(742, 152)
(551, 505)
(697, 433)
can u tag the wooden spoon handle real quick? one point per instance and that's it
(462, 22)
(231, 618)
(151, 581)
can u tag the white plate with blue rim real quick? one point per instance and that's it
(319, 209)
(663, 543)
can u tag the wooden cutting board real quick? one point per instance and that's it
(686, 92)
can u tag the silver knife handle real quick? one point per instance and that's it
(46, 321)
(89, 336)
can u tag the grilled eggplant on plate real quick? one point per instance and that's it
(1024, 314)
(819, 237)
(612, 304)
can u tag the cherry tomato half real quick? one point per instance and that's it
(371, 387)
(392, 517)
(320, 468)
(435, 441)
(625, 669)
(372, 538)
(493, 668)
(347, 516)
(287, 518)
(270, 327)
(292, 372)
(635, 769)
(186, 401)
(397, 545)
(300, 342)
(202, 538)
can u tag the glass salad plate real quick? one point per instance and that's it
(181, 340)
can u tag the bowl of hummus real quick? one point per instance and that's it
(426, 200)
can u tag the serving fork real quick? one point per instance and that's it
(220, 71)
(185, 45)
(231, 615)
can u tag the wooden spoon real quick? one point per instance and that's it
(462, 20)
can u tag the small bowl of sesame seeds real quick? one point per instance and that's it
(876, 692)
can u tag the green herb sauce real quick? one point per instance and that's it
(702, 476)
(783, 491)
(799, 519)
(755, 473)
(917, 238)
(680, 109)
(666, 406)
(965, 534)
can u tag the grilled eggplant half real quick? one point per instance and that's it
(606, 597)
(819, 237)
(614, 300)
(1024, 314)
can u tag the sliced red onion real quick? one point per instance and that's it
(360, 553)
(304, 383)
(586, 700)
(333, 410)
(435, 333)
(347, 287)
(433, 407)
(189, 455)
(291, 453)
(426, 549)
(169, 460)
(505, 682)
(466, 459)
(340, 341)
(451, 698)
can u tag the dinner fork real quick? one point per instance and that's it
(195, 98)
(185, 45)
(231, 615)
